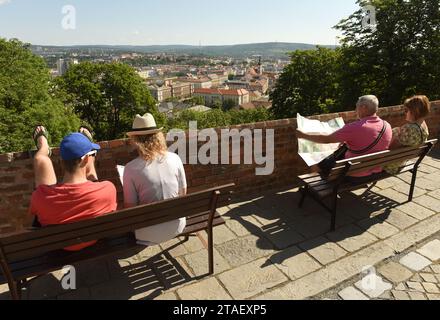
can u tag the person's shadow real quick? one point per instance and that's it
(280, 225)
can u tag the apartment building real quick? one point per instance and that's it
(239, 96)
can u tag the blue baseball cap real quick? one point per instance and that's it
(76, 146)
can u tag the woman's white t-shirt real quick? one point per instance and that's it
(149, 182)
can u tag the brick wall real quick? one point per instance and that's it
(17, 184)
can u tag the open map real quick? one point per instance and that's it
(313, 153)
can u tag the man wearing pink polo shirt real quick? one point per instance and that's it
(360, 135)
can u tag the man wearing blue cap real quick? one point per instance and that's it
(79, 196)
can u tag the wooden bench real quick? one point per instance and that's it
(34, 253)
(325, 190)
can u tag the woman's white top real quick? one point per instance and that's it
(149, 182)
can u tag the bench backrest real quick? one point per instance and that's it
(352, 166)
(33, 243)
(381, 159)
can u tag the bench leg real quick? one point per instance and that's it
(334, 211)
(15, 291)
(413, 185)
(303, 191)
(211, 251)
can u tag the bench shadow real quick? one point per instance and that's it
(290, 231)
(122, 276)
(435, 153)
(150, 277)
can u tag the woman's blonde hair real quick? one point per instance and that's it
(150, 146)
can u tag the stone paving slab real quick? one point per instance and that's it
(416, 211)
(352, 238)
(399, 219)
(208, 289)
(198, 262)
(378, 228)
(323, 250)
(395, 272)
(431, 250)
(252, 279)
(244, 250)
(352, 294)
(415, 261)
(295, 263)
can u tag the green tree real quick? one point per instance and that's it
(309, 84)
(397, 58)
(107, 96)
(228, 104)
(25, 100)
(196, 101)
(217, 118)
(217, 104)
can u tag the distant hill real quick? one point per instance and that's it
(271, 49)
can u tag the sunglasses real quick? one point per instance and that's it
(90, 154)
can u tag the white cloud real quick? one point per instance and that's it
(2, 2)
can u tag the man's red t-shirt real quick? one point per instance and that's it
(68, 203)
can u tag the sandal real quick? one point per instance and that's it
(87, 132)
(42, 133)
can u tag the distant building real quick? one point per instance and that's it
(217, 80)
(237, 84)
(203, 83)
(160, 93)
(181, 90)
(170, 89)
(64, 64)
(239, 97)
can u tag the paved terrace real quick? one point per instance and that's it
(270, 249)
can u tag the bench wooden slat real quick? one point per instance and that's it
(91, 234)
(57, 260)
(202, 226)
(163, 205)
(48, 263)
(148, 219)
(124, 222)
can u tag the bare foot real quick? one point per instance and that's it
(85, 131)
(42, 140)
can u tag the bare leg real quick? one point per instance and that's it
(43, 167)
(91, 169)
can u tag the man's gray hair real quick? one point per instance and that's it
(371, 102)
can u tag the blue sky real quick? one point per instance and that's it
(146, 22)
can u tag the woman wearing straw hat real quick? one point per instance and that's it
(154, 176)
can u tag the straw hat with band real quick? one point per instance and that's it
(144, 125)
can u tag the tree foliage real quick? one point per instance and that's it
(25, 100)
(106, 96)
(396, 58)
(217, 118)
(308, 85)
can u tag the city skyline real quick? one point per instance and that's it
(194, 22)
